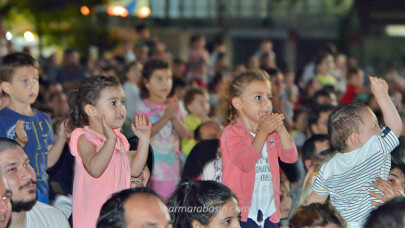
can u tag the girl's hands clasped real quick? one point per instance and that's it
(271, 122)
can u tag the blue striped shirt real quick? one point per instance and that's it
(347, 177)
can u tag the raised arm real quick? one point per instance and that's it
(96, 162)
(142, 130)
(379, 88)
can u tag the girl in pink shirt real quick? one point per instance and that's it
(251, 144)
(103, 162)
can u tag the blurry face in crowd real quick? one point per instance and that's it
(326, 66)
(200, 106)
(396, 179)
(321, 126)
(285, 200)
(277, 85)
(159, 84)
(5, 203)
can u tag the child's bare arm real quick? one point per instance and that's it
(181, 128)
(379, 87)
(316, 198)
(56, 150)
(170, 112)
(96, 163)
(22, 137)
(142, 130)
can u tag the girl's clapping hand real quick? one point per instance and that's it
(142, 127)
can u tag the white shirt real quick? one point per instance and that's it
(263, 196)
(44, 216)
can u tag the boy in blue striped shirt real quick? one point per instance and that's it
(364, 154)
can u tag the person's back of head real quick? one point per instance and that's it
(202, 153)
(342, 122)
(315, 215)
(391, 214)
(10, 63)
(198, 201)
(112, 214)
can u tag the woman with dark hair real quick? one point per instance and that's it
(203, 204)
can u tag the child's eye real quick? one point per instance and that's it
(258, 97)
(114, 103)
(269, 97)
(6, 197)
(391, 180)
(227, 222)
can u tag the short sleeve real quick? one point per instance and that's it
(388, 140)
(318, 186)
(74, 138)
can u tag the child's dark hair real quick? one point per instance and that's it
(11, 62)
(191, 94)
(316, 214)
(197, 200)
(236, 88)
(88, 93)
(343, 121)
(353, 71)
(147, 71)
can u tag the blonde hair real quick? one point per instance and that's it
(343, 121)
(236, 88)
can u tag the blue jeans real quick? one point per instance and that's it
(252, 224)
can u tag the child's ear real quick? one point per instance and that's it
(354, 139)
(90, 110)
(6, 87)
(236, 102)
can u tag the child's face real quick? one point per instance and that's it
(285, 201)
(160, 84)
(396, 179)
(24, 86)
(111, 105)
(369, 127)
(277, 85)
(255, 101)
(134, 73)
(200, 105)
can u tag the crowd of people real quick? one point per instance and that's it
(145, 139)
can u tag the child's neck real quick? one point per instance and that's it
(157, 100)
(204, 118)
(21, 108)
(96, 126)
(251, 126)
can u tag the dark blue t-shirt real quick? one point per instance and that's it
(40, 137)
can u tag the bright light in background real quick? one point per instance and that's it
(85, 10)
(29, 36)
(144, 12)
(117, 11)
(9, 36)
(395, 30)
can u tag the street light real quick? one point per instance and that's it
(29, 36)
(117, 11)
(144, 12)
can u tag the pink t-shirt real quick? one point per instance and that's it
(89, 193)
